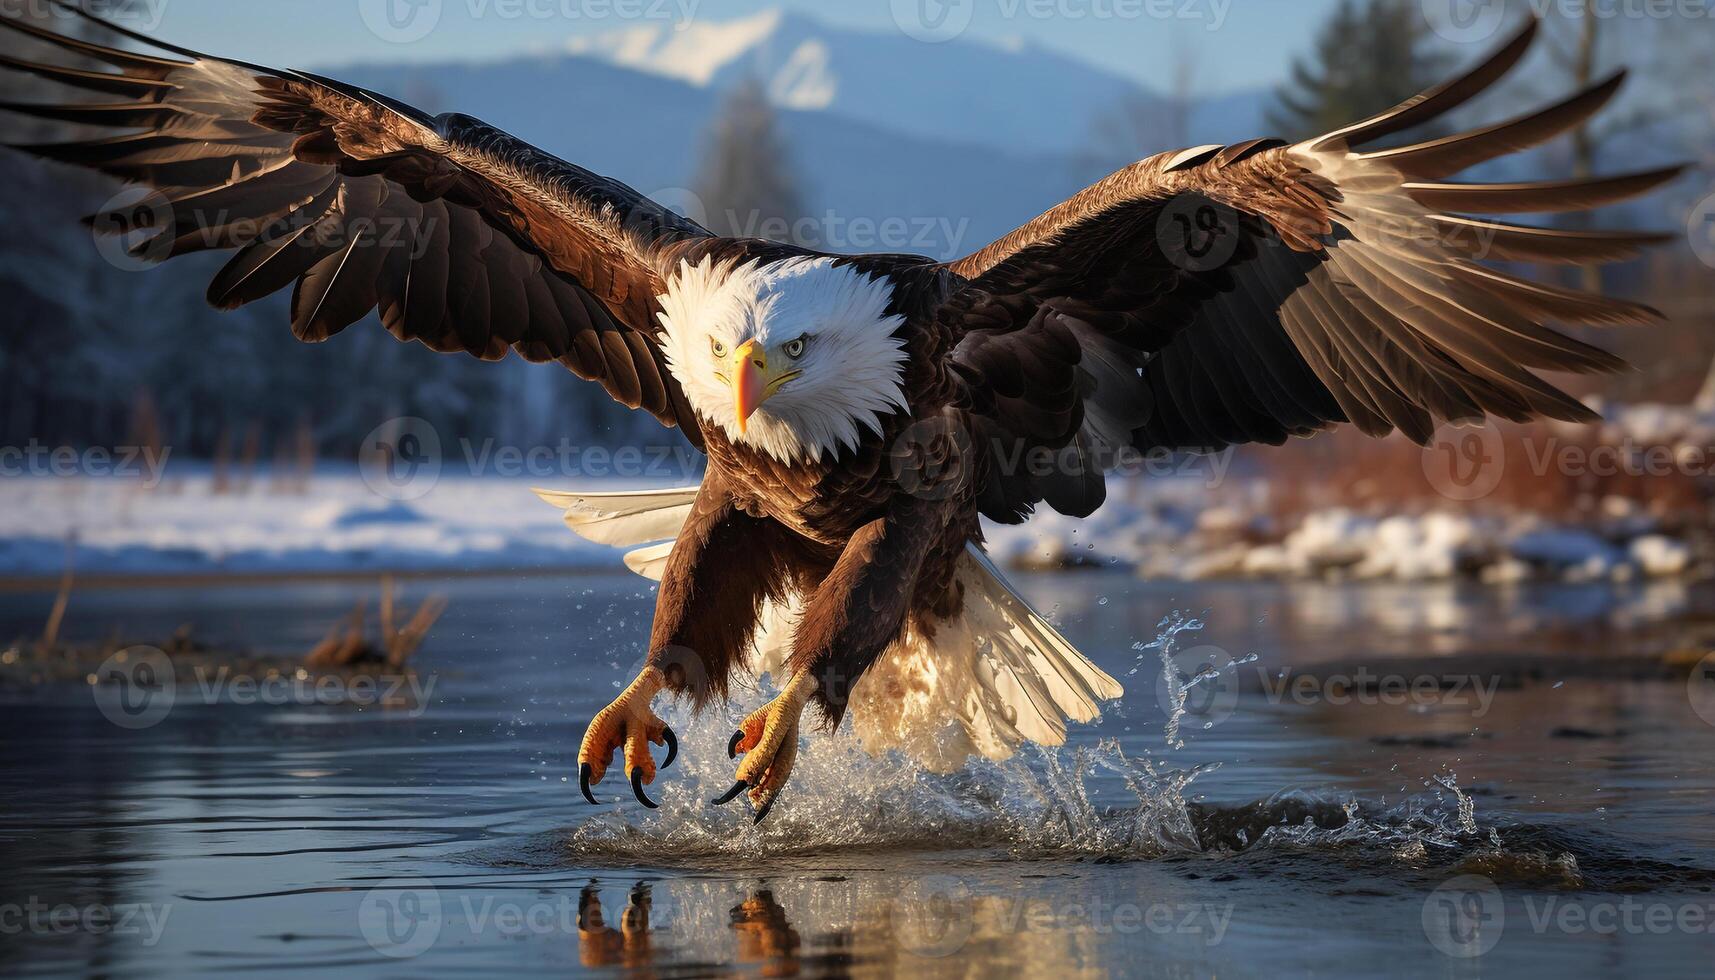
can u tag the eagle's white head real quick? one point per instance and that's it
(795, 358)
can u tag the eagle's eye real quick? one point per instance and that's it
(795, 348)
(717, 348)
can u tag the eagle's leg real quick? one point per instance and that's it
(851, 617)
(717, 577)
(628, 723)
(769, 740)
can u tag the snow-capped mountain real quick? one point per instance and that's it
(965, 91)
(936, 198)
(960, 141)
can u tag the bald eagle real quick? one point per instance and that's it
(860, 413)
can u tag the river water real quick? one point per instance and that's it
(1363, 779)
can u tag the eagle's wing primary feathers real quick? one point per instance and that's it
(1248, 293)
(463, 237)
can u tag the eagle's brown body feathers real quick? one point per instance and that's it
(862, 559)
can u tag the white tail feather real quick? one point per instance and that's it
(984, 683)
(989, 680)
(626, 518)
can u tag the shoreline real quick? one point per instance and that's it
(18, 584)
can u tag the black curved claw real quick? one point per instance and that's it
(672, 741)
(637, 789)
(732, 744)
(584, 783)
(731, 794)
(764, 811)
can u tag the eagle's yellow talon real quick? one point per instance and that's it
(627, 724)
(769, 739)
(749, 733)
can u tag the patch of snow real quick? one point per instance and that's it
(344, 513)
(1659, 556)
(1328, 540)
(463, 524)
(807, 80)
(1566, 548)
(692, 52)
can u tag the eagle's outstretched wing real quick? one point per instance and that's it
(463, 237)
(1225, 295)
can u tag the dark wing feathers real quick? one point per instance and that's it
(1462, 151)
(1438, 101)
(1539, 196)
(137, 85)
(1479, 239)
(1268, 291)
(460, 236)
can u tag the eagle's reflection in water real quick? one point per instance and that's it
(599, 944)
(765, 937)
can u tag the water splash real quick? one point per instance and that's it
(1467, 807)
(1088, 802)
(1046, 804)
(1177, 688)
(1050, 804)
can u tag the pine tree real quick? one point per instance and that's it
(745, 182)
(1370, 55)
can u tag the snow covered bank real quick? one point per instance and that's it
(1162, 528)
(339, 525)
(1341, 544)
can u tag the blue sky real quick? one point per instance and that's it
(1236, 43)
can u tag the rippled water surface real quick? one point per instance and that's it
(1553, 816)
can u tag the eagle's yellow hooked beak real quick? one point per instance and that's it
(749, 375)
(752, 381)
